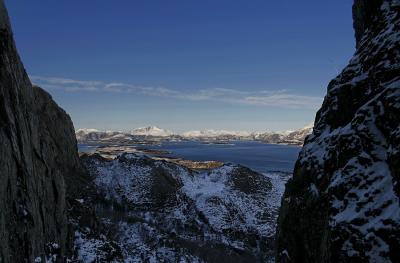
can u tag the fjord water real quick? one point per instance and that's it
(255, 155)
(258, 156)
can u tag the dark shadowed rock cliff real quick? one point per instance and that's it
(342, 204)
(38, 157)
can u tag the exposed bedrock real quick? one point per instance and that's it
(38, 159)
(342, 204)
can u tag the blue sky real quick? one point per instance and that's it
(184, 65)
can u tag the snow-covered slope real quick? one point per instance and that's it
(214, 134)
(168, 213)
(342, 204)
(151, 131)
(296, 137)
(83, 135)
(86, 131)
(93, 135)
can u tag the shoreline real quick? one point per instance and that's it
(112, 152)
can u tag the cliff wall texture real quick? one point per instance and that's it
(38, 156)
(342, 204)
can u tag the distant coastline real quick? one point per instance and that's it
(153, 135)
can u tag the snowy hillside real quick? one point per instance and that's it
(214, 134)
(151, 131)
(168, 213)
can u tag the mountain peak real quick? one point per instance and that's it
(151, 131)
(86, 130)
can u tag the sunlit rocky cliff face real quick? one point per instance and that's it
(342, 204)
(38, 159)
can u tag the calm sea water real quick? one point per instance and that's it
(258, 156)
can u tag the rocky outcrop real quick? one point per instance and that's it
(342, 204)
(364, 14)
(158, 211)
(38, 158)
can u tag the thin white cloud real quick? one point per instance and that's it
(289, 100)
(266, 98)
(64, 81)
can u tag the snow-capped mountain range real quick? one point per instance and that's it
(214, 133)
(153, 132)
